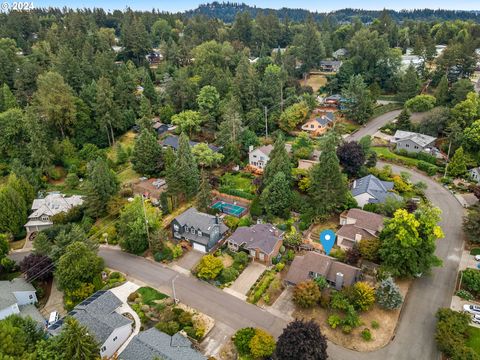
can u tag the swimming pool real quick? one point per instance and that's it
(230, 209)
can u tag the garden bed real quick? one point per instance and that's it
(381, 336)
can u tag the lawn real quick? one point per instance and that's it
(475, 251)
(149, 295)
(385, 153)
(126, 141)
(474, 339)
(9, 276)
(240, 182)
(127, 175)
(17, 245)
(315, 82)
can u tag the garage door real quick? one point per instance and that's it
(199, 247)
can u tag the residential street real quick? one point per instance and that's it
(415, 334)
(372, 126)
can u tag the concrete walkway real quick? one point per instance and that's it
(122, 293)
(248, 277)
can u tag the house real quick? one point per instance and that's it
(259, 157)
(330, 65)
(306, 164)
(333, 100)
(409, 59)
(18, 297)
(52, 204)
(161, 128)
(202, 230)
(174, 142)
(371, 190)
(340, 53)
(313, 264)
(100, 314)
(475, 174)
(154, 57)
(357, 225)
(320, 124)
(413, 142)
(154, 344)
(262, 241)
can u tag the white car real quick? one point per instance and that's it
(476, 319)
(477, 257)
(472, 309)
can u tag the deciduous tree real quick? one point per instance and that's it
(306, 294)
(351, 157)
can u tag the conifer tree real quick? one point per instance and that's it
(7, 99)
(279, 162)
(204, 196)
(441, 92)
(328, 188)
(76, 342)
(403, 122)
(457, 165)
(101, 185)
(147, 154)
(277, 196)
(186, 168)
(409, 84)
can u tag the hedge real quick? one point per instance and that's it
(235, 192)
(427, 167)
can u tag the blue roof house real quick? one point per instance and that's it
(371, 190)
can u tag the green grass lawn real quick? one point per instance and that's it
(9, 276)
(149, 295)
(239, 182)
(127, 175)
(474, 339)
(475, 251)
(385, 153)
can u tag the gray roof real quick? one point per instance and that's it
(259, 236)
(174, 142)
(266, 149)
(151, 344)
(326, 118)
(419, 139)
(98, 314)
(330, 63)
(7, 288)
(200, 221)
(377, 188)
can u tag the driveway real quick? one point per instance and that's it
(248, 277)
(54, 302)
(187, 262)
(372, 126)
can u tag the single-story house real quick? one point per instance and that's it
(371, 190)
(333, 100)
(319, 124)
(262, 241)
(330, 65)
(475, 174)
(154, 344)
(340, 53)
(202, 230)
(413, 142)
(16, 297)
(314, 264)
(161, 128)
(259, 157)
(99, 315)
(174, 142)
(357, 225)
(52, 204)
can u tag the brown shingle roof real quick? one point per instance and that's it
(349, 231)
(321, 264)
(366, 220)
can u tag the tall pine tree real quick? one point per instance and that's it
(328, 190)
(279, 162)
(147, 154)
(102, 184)
(204, 196)
(186, 168)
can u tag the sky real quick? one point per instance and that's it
(314, 5)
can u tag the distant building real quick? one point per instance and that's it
(319, 125)
(44, 209)
(17, 297)
(202, 230)
(340, 53)
(260, 156)
(154, 344)
(99, 315)
(357, 225)
(330, 65)
(413, 142)
(173, 142)
(371, 190)
(475, 174)
(261, 241)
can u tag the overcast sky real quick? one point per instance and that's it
(318, 5)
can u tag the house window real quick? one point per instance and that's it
(103, 348)
(30, 297)
(254, 156)
(175, 227)
(186, 229)
(44, 218)
(312, 126)
(199, 233)
(193, 231)
(115, 338)
(407, 145)
(416, 147)
(262, 158)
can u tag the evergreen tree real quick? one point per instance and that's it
(204, 196)
(7, 99)
(388, 294)
(279, 162)
(328, 190)
(76, 342)
(229, 133)
(186, 168)
(101, 185)
(403, 121)
(457, 165)
(147, 154)
(277, 196)
(245, 85)
(409, 84)
(442, 92)
(359, 102)
(105, 108)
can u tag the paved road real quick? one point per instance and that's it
(372, 126)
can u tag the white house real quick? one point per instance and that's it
(259, 157)
(52, 204)
(413, 142)
(475, 174)
(99, 315)
(15, 295)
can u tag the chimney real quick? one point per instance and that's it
(217, 220)
(250, 148)
(358, 237)
(339, 281)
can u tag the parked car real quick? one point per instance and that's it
(477, 257)
(53, 318)
(476, 319)
(472, 309)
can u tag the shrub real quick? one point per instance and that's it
(421, 103)
(241, 258)
(321, 282)
(366, 334)
(245, 221)
(464, 294)
(369, 248)
(388, 294)
(471, 280)
(363, 296)
(262, 344)
(334, 320)
(169, 327)
(306, 294)
(338, 254)
(261, 287)
(231, 222)
(228, 275)
(375, 324)
(166, 254)
(242, 338)
(451, 333)
(177, 251)
(427, 167)
(279, 267)
(209, 267)
(347, 329)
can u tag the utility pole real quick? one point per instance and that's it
(146, 221)
(175, 300)
(266, 121)
(448, 159)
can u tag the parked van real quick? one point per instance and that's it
(53, 318)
